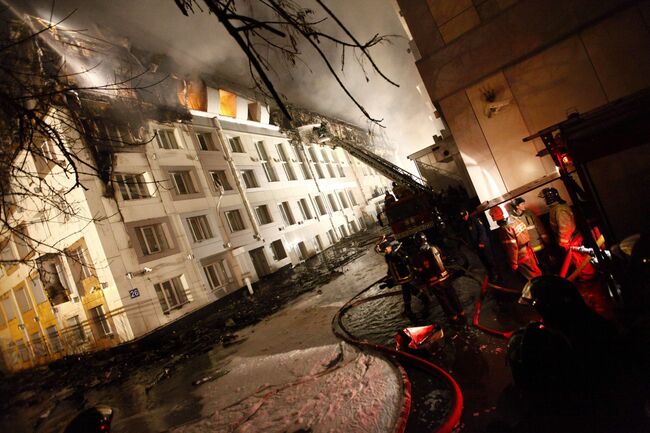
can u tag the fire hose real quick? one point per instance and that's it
(453, 417)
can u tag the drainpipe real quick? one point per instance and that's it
(242, 191)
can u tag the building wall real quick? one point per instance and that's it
(542, 60)
(129, 271)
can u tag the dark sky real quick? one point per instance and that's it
(198, 42)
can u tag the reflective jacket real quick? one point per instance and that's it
(562, 223)
(515, 239)
(399, 268)
(536, 230)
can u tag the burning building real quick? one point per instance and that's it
(183, 191)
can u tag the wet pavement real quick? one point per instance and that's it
(170, 378)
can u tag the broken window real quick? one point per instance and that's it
(200, 228)
(235, 221)
(132, 186)
(227, 103)
(167, 139)
(220, 180)
(278, 250)
(171, 294)
(255, 112)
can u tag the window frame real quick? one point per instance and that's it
(187, 179)
(212, 174)
(287, 214)
(174, 143)
(176, 288)
(248, 176)
(239, 220)
(132, 186)
(268, 219)
(236, 145)
(274, 250)
(200, 228)
(159, 234)
(210, 145)
(99, 319)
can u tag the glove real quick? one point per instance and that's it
(514, 267)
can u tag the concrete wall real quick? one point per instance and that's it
(542, 60)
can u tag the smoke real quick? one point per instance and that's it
(199, 43)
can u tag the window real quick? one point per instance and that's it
(286, 164)
(269, 171)
(343, 231)
(328, 159)
(235, 221)
(318, 243)
(38, 344)
(212, 276)
(334, 205)
(132, 186)
(54, 339)
(303, 253)
(99, 319)
(255, 111)
(339, 164)
(331, 236)
(22, 350)
(287, 215)
(22, 300)
(167, 139)
(8, 307)
(303, 164)
(3, 319)
(183, 184)
(75, 330)
(171, 294)
(200, 228)
(278, 250)
(80, 263)
(249, 178)
(263, 215)
(236, 145)
(344, 200)
(205, 141)
(351, 197)
(321, 205)
(152, 239)
(220, 180)
(305, 209)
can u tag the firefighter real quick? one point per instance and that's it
(431, 272)
(477, 236)
(400, 272)
(515, 240)
(539, 239)
(563, 225)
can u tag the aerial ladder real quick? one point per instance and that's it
(415, 208)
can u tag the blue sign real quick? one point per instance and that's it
(134, 293)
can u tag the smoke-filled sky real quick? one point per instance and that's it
(200, 44)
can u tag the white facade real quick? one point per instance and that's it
(201, 209)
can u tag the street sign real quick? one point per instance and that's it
(134, 293)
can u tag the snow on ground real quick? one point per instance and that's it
(332, 388)
(292, 374)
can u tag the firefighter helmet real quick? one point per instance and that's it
(497, 213)
(516, 202)
(550, 195)
(555, 298)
